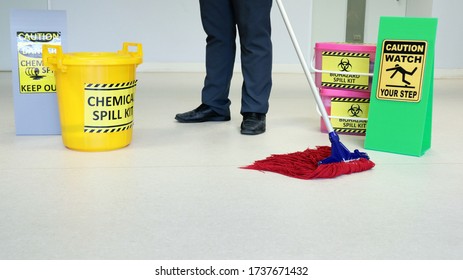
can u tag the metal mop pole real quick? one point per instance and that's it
(303, 62)
(339, 152)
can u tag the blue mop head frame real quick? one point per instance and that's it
(339, 152)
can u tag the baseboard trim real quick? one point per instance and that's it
(170, 67)
(199, 67)
(448, 73)
(277, 68)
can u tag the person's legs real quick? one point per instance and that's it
(217, 17)
(254, 27)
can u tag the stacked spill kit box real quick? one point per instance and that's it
(342, 73)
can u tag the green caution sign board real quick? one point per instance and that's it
(400, 113)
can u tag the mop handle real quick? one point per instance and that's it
(314, 88)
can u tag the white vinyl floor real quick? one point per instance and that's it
(177, 192)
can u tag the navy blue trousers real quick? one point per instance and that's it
(222, 20)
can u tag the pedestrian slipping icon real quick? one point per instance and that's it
(403, 71)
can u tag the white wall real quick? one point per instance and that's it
(329, 21)
(377, 8)
(419, 8)
(449, 33)
(173, 39)
(170, 31)
(329, 25)
(5, 7)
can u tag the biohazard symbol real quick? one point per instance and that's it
(402, 71)
(33, 73)
(355, 110)
(344, 65)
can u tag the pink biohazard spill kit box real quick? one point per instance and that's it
(346, 109)
(344, 65)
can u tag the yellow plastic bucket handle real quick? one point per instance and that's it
(126, 50)
(57, 56)
(53, 57)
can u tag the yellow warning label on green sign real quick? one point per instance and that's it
(401, 70)
(109, 107)
(34, 77)
(349, 115)
(345, 62)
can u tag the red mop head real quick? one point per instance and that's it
(305, 165)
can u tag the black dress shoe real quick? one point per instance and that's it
(203, 113)
(253, 123)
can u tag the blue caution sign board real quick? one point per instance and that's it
(34, 88)
(400, 116)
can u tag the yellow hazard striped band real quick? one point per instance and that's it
(334, 85)
(115, 86)
(350, 54)
(353, 131)
(90, 129)
(348, 99)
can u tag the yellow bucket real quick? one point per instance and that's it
(95, 95)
